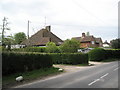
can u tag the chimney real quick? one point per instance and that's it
(48, 28)
(83, 34)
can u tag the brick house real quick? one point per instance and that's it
(42, 37)
(89, 41)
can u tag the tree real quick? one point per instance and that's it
(19, 37)
(51, 47)
(4, 27)
(70, 46)
(115, 43)
(87, 34)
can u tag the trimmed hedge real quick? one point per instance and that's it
(30, 49)
(21, 62)
(69, 58)
(113, 53)
(15, 62)
(99, 54)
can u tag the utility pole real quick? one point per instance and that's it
(28, 29)
(45, 21)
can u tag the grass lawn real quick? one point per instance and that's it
(8, 81)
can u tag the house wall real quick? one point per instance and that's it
(85, 45)
(88, 44)
(106, 45)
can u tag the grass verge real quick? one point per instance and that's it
(109, 60)
(9, 81)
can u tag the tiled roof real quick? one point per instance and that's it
(41, 38)
(84, 39)
(87, 38)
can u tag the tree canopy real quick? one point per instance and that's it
(51, 47)
(115, 43)
(19, 37)
(70, 46)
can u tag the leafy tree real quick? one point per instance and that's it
(8, 41)
(51, 47)
(70, 46)
(4, 27)
(115, 43)
(19, 37)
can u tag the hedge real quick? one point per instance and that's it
(30, 49)
(69, 58)
(99, 54)
(21, 62)
(113, 53)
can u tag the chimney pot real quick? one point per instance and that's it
(83, 34)
(48, 28)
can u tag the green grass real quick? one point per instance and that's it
(29, 76)
(109, 60)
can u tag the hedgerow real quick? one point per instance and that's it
(30, 49)
(69, 58)
(99, 54)
(14, 62)
(22, 62)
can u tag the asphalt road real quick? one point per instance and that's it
(100, 76)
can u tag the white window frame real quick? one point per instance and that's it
(93, 42)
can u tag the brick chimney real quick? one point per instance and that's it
(48, 28)
(83, 34)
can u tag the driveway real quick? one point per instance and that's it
(74, 68)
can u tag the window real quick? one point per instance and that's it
(92, 42)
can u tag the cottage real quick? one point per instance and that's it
(106, 44)
(42, 37)
(89, 41)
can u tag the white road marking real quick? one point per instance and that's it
(104, 75)
(93, 82)
(116, 69)
(98, 79)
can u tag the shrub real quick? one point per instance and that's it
(115, 43)
(69, 58)
(70, 46)
(30, 49)
(21, 62)
(97, 54)
(113, 53)
(51, 47)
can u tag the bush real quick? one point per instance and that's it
(21, 62)
(113, 53)
(51, 47)
(69, 58)
(70, 46)
(30, 49)
(97, 54)
(115, 43)
(100, 54)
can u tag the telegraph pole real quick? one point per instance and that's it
(45, 21)
(28, 29)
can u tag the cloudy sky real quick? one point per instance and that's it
(68, 18)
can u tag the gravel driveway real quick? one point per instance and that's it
(74, 68)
